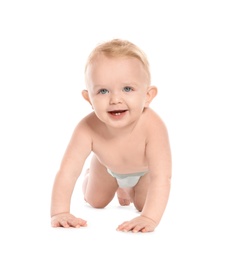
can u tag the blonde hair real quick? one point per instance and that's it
(120, 48)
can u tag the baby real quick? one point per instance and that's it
(129, 141)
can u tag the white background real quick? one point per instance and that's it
(43, 49)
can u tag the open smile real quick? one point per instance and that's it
(117, 114)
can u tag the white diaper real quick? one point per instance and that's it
(127, 180)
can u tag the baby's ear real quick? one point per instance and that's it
(85, 95)
(151, 94)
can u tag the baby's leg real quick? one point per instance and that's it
(125, 196)
(140, 192)
(99, 186)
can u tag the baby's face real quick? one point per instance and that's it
(117, 89)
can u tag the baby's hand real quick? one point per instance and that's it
(138, 224)
(67, 220)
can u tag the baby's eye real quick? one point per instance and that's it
(127, 89)
(103, 91)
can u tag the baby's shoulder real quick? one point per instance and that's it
(83, 129)
(88, 122)
(151, 116)
(153, 121)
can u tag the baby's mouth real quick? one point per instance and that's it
(117, 112)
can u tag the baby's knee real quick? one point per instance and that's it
(138, 206)
(95, 203)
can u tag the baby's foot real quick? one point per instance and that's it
(123, 197)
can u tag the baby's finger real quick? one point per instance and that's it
(83, 223)
(58, 223)
(138, 228)
(147, 229)
(64, 223)
(124, 226)
(55, 224)
(77, 222)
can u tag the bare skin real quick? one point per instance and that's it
(125, 196)
(125, 136)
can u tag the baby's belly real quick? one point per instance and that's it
(128, 170)
(125, 167)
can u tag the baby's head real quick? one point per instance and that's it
(117, 78)
(120, 48)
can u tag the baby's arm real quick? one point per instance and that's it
(76, 153)
(159, 160)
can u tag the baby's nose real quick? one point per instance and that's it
(115, 99)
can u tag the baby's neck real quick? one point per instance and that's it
(120, 132)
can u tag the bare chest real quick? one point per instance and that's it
(123, 155)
